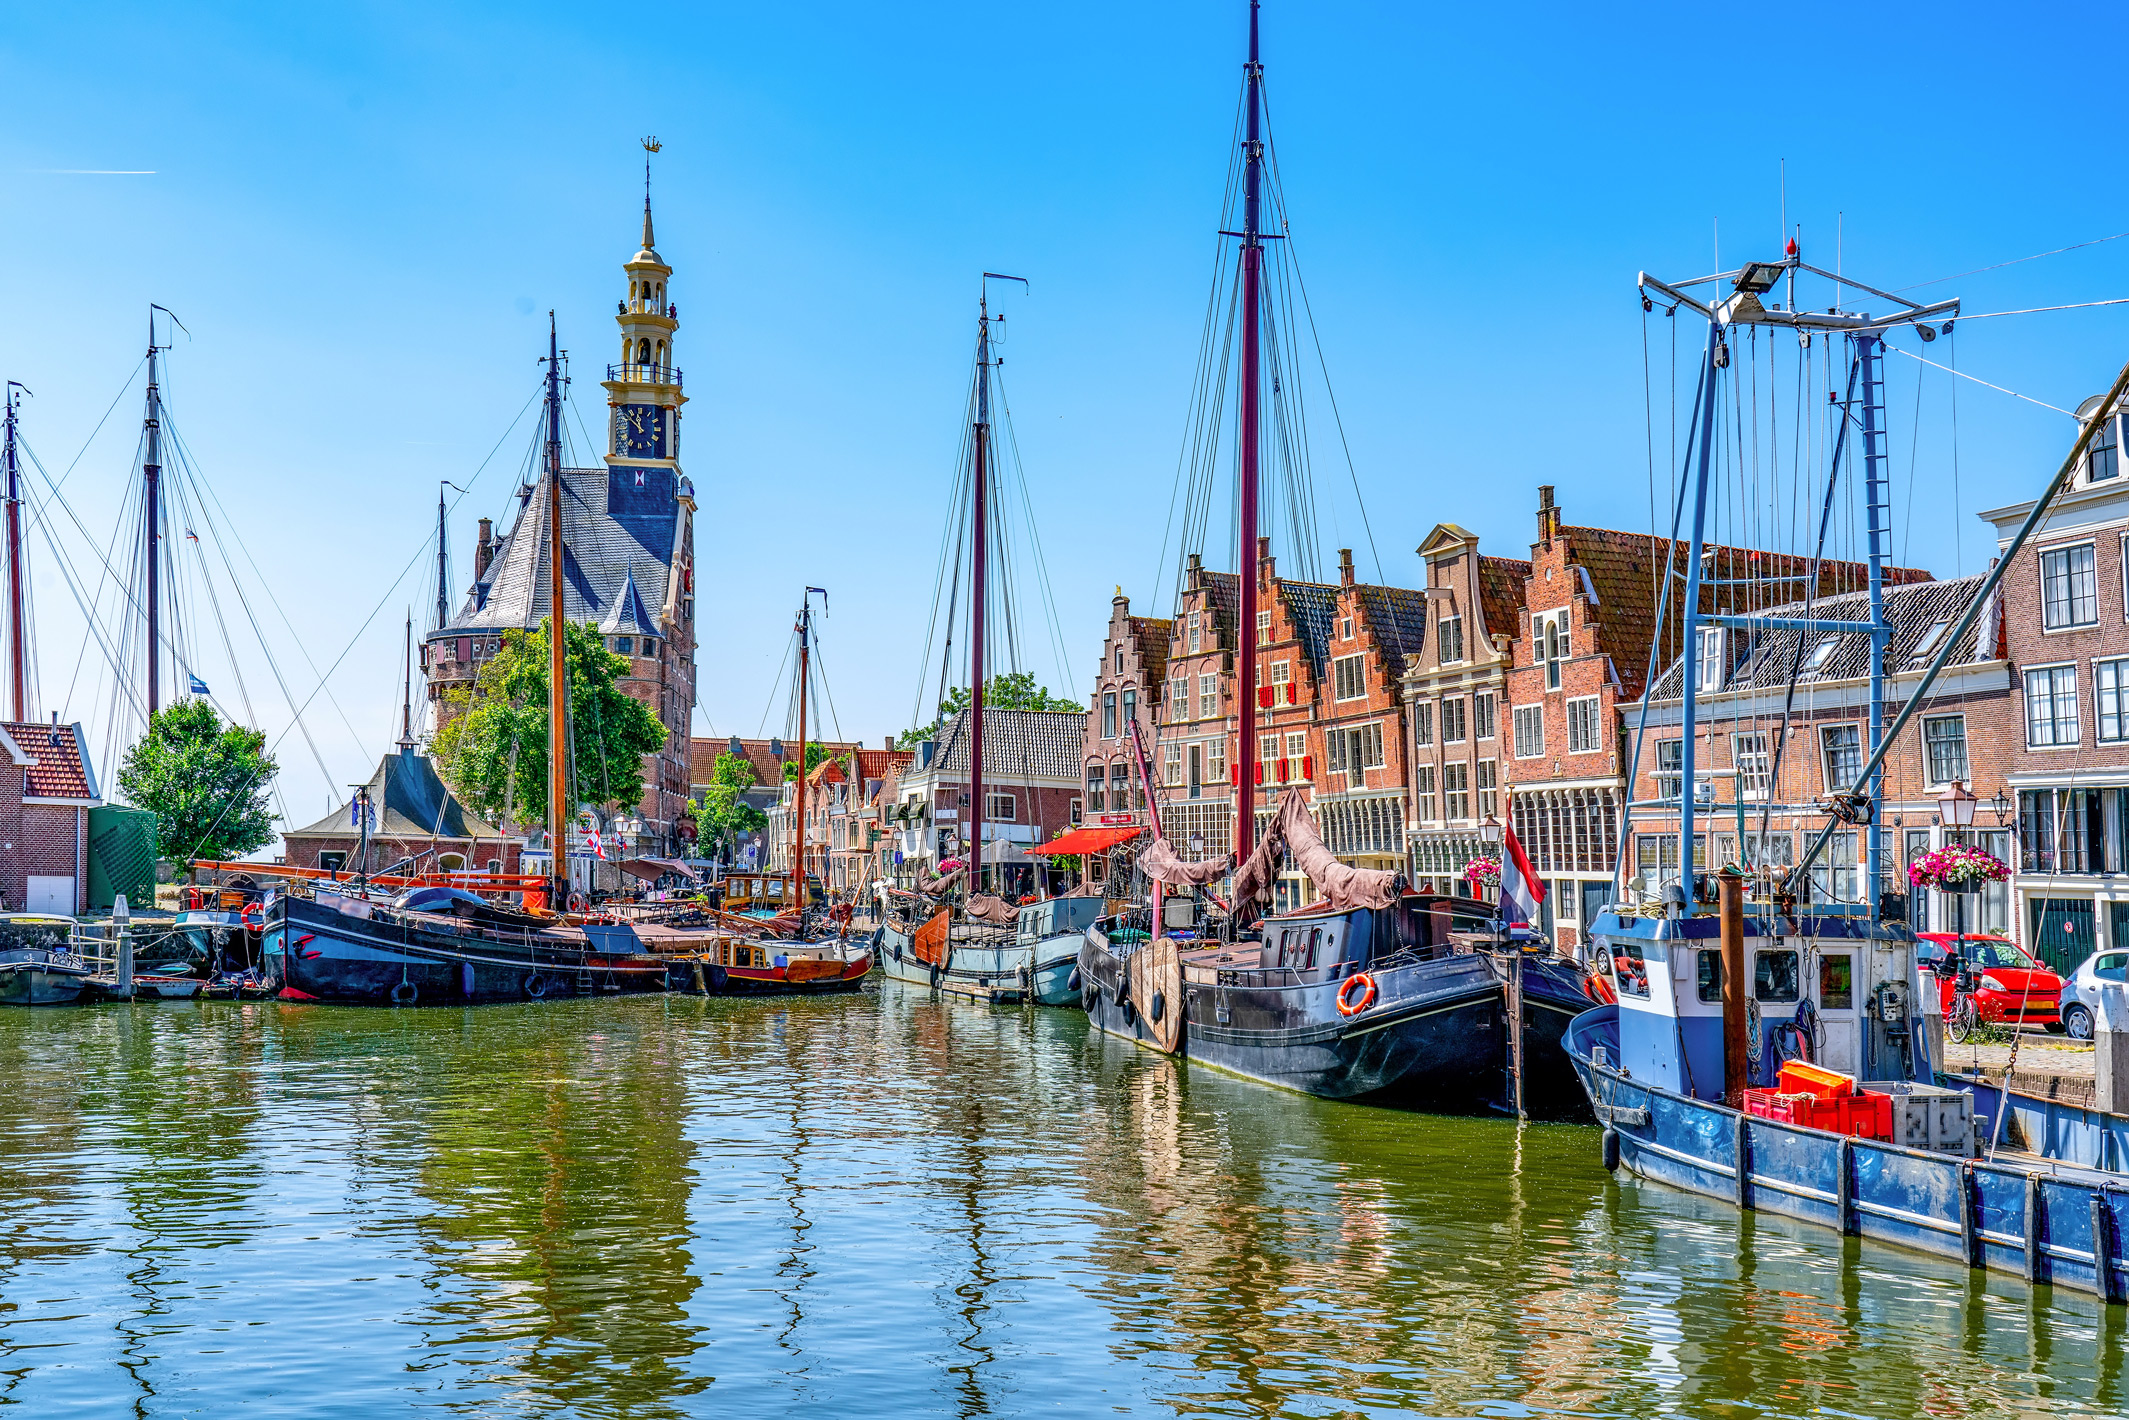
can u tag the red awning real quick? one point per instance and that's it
(1089, 840)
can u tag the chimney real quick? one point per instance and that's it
(1345, 566)
(1548, 515)
(887, 742)
(1266, 568)
(1195, 567)
(484, 551)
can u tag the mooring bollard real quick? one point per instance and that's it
(2110, 1041)
(122, 927)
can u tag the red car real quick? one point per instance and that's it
(2010, 986)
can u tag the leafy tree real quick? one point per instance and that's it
(207, 783)
(722, 813)
(492, 750)
(1015, 690)
(816, 755)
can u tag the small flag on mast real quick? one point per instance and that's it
(199, 687)
(1522, 890)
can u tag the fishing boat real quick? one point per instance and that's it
(377, 941)
(1773, 1043)
(1364, 994)
(38, 966)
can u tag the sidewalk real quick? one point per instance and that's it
(2049, 1066)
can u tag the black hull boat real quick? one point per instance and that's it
(1346, 1006)
(356, 952)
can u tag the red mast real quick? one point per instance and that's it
(18, 653)
(1246, 760)
(978, 585)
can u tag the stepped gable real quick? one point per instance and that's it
(1223, 594)
(53, 762)
(612, 531)
(1501, 582)
(1033, 743)
(1625, 572)
(1312, 607)
(412, 802)
(1398, 616)
(1909, 610)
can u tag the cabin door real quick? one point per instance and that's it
(1839, 1022)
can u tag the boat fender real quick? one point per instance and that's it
(1072, 981)
(406, 993)
(535, 986)
(1160, 1005)
(1611, 1151)
(253, 917)
(1356, 995)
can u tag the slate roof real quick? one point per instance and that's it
(1500, 589)
(1625, 570)
(1313, 608)
(1399, 618)
(1910, 611)
(629, 616)
(613, 532)
(53, 760)
(1223, 593)
(1039, 744)
(411, 801)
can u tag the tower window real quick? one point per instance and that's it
(643, 352)
(661, 352)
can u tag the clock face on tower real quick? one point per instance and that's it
(639, 430)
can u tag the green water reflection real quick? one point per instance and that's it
(886, 1203)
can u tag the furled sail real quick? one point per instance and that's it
(1292, 831)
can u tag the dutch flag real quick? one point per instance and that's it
(1522, 890)
(598, 847)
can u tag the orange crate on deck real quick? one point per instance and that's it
(1864, 1114)
(1801, 1077)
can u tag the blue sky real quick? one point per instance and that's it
(362, 213)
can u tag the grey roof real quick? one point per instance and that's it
(1765, 661)
(615, 530)
(1314, 609)
(628, 615)
(1039, 744)
(411, 801)
(1399, 617)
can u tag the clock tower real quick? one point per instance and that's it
(643, 395)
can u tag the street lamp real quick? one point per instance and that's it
(1490, 831)
(1957, 807)
(2001, 807)
(1197, 845)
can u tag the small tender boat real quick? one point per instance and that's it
(719, 961)
(38, 966)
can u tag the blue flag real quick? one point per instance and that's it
(199, 687)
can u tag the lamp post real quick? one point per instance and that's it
(1956, 806)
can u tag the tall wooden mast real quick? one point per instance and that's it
(979, 585)
(18, 652)
(151, 474)
(557, 665)
(798, 792)
(1252, 284)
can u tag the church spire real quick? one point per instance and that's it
(650, 146)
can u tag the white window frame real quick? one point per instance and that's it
(1486, 783)
(1763, 754)
(1826, 746)
(1442, 649)
(1208, 696)
(1010, 813)
(1456, 790)
(1454, 719)
(1534, 716)
(1554, 644)
(2116, 670)
(1929, 760)
(1423, 787)
(1587, 707)
(2055, 692)
(1712, 665)
(2041, 562)
(1484, 722)
(1352, 668)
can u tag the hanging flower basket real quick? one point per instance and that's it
(1957, 867)
(1483, 872)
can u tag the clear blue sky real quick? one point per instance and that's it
(363, 212)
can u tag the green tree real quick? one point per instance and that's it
(816, 755)
(1015, 690)
(206, 781)
(492, 749)
(722, 813)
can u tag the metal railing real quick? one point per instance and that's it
(643, 374)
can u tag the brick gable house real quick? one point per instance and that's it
(45, 798)
(1582, 651)
(1456, 693)
(1127, 689)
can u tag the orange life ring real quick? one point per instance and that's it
(253, 917)
(1347, 1006)
(576, 902)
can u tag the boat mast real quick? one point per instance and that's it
(1246, 760)
(406, 706)
(978, 585)
(151, 473)
(798, 791)
(18, 655)
(557, 666)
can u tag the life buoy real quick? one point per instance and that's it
(535, 986)
(253, 917)
(1597, 989)
(1347, 1004)
(576, 902)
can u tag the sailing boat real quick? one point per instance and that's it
(952, 935)
(1355, 996)
(438, 944)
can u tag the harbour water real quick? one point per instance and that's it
(889, 1205)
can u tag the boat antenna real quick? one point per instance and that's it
(18, 654)
(1247, 559)
(558, 740)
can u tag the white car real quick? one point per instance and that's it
(2080, 990)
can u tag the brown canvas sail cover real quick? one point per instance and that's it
(1160, 863)
(983, 907)
(936, 884)
(1291, 830)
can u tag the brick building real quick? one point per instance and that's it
(1192, 743)
(1582, 652)
(767, 793)
(628, 540)
(414, 817)
(1456, 689)
(1959, 734)
(2066, 628)
(1128, 687)
(44, 818)
(1032, 762)
(843, 816)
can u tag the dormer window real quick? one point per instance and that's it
(2102, 460)
(624, 646)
